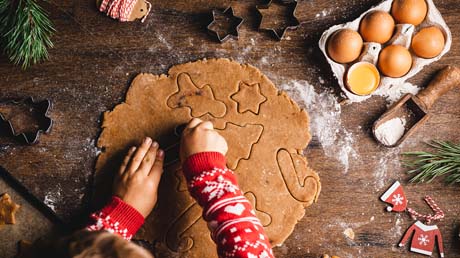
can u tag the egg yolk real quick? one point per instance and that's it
(363, 78)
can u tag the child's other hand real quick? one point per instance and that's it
(200, 136)
(137, 180)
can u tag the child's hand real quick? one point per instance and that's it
(200, 136)
(137, 180)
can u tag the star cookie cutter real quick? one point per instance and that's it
(40, 109)
(292, 20)
(230, 32)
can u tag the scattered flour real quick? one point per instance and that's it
(391, 131)
(163, 40)
(53, 198)
(91, 145)
(396, 230)
(325, 123)
(323, 13)
(397, 91)
(321, 80)
(388, 162)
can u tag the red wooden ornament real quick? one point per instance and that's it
(396, 197)
(424, 238)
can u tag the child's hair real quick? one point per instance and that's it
(95, 244)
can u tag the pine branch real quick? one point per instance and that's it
(427, 165)
(25, 32)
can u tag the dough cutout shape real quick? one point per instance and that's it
(249, 98)
(200, 100)
(265, 138)
(248, 135)
(8, 210)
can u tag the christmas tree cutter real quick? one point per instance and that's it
(415, 109)
(228, 26)
(31, 133)
(278, 29)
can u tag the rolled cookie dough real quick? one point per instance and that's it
(266, 133)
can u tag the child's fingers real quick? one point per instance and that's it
(206, 125)
(149, 159)
(157, 169)
(193, 123)
(139, 155)
(126, 160)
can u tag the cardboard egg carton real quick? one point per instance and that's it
(402, 36)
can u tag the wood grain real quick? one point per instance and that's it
(95, 58)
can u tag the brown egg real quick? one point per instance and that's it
(395, 61)
(409, 11)
(428, 42)
(344, 46)
(377, 26)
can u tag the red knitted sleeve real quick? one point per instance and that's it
(117, 217)
(234, 227)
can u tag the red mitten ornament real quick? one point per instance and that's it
(396, 197)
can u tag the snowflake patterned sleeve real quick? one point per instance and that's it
(234, 227)
(117, 217)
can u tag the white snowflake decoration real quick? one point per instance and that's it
(219, 188)
(423, 240)
(397, 199)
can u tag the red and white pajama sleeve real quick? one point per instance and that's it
(117, 217)
(234, 226)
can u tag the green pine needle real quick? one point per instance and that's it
(426, 166)
(25, 32)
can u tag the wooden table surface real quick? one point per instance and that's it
(95, 58)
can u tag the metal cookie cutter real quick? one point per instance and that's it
(228, 26)
(40, 111)
(278, 29)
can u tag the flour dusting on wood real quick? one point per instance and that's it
(396, 92)
(52, 199)
(396, 230)
(386, 167)
(325, 121)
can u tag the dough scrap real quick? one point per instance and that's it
(265, 146)
(8, 210)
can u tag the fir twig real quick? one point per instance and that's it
(25, 31)
(426, 166)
